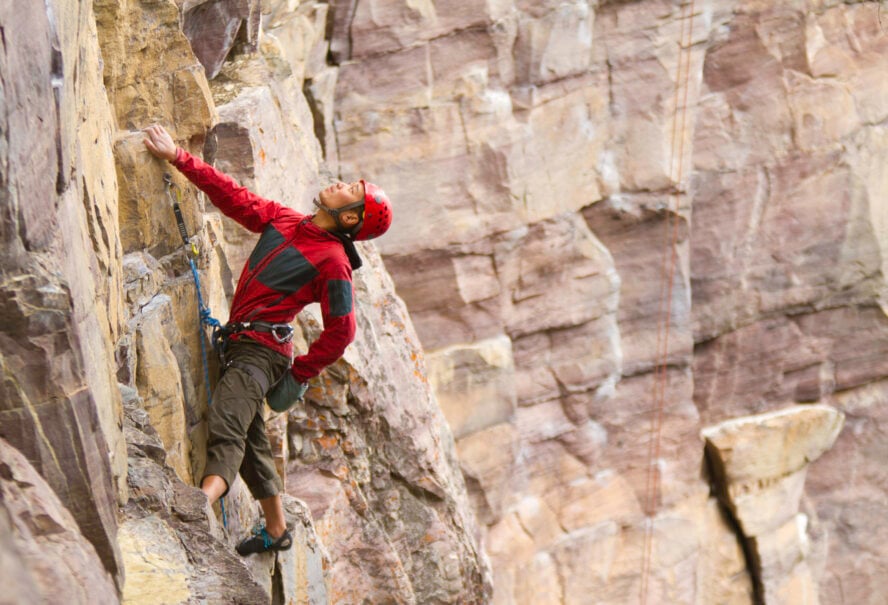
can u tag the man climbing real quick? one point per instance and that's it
(299, 259)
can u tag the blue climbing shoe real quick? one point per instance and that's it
(261, 541)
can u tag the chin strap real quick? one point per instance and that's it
(344, 234)
(335, 212)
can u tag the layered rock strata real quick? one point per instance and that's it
(60, 303)
(45, 558)
(550, 162)
(561, 159)
(131, 317)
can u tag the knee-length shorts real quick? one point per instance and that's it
(237, 441)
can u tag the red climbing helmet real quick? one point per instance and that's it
(377, 212)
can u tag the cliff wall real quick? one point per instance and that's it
(633, 290)
(574, 170)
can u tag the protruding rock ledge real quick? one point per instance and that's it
(759, 465)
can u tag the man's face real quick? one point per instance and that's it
(338, 195)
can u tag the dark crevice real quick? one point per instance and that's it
(351, 21)
(278, 596)
(58, 78)
(320, 129)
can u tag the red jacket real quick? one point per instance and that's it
(294, 263)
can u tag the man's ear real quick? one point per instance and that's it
(349, 218)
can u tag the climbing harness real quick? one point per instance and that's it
(670, 260)
(282, 333)
(205, 316)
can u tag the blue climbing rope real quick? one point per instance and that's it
(205, 316)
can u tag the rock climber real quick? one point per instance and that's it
(299, 259)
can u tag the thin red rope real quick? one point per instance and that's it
(652, 483)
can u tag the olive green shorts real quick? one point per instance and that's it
(237, 440)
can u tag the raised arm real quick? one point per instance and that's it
(235, 201)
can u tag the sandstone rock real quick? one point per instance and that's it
(304, 572)
(300, 34)
(382, 26)
(847, 504)
(589, 502)
(377, 456)
(437, 290)
(65, 426)
(538, 518)
(474, 385)
(754, 368)
(489, 462)
(538, 581)
(265, 141)
(759, 164)
(851, 364)
(751, 454)
(319, 92)
(780, 221)
(159, 383)
(629, 228)
(555, 44)
(32, 164)
(92, 251)
(648, 444)
(341, 14)
(145, 210)
(722, 574)
(781, 554)
(46, 558)
(525, 273)
(168, 84)
(212, 27)
(759, 465)
(351, 550)
(154, 562)
(503, 121)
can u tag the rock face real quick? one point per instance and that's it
(45, 557)
(99, 300)
(581, 175)
(625, 235)
(60, 304)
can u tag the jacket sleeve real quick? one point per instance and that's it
(235, 202)
(338, 312)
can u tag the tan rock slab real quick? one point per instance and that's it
(474, 384)
(774, 444)
(154, 562)
(489, 460)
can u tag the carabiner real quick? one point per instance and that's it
(287, 331)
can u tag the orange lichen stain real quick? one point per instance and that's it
(327, 441)
(428, 538)
(262, 155)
